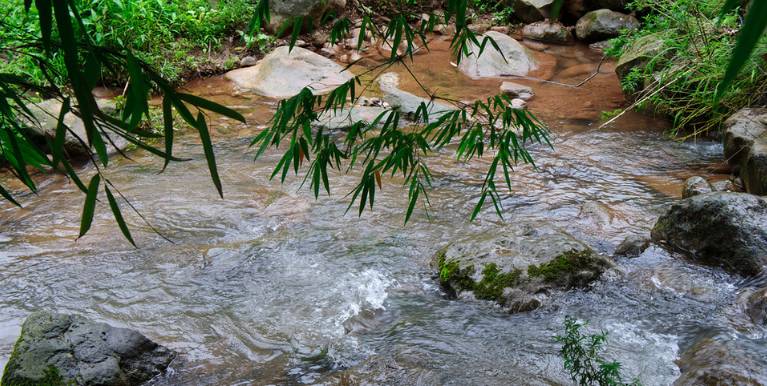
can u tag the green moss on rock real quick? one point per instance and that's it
(494, 282)
(570, 269)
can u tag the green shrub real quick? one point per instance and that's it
(173, 36)
(583, 359)
(681, 80)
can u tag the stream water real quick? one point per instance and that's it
(269, 286)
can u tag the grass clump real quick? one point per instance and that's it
(681, 75)
(565, 268)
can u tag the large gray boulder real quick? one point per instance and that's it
(284, 73)
(745, 147)
(284, 11)
(727, 230)
(547, 32)
(514, 58)
(603, 24)
(67, 349)
(46, 115)
(519, 268)
(406, 102)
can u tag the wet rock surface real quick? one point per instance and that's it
(603, 24)
(283, 11)
(516, 59)
(727, 230)
(720, 360)
(745, 147)
(519, 268)
(64, 349)
(548, 32)
(46, 115)
(517, 90)
(695, 186)
(284, 73)
(632, 246)
(406, 102)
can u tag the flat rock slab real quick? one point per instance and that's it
(516, 59)
(406, 102)
(346, 118)
(69, 349)
(284, 73)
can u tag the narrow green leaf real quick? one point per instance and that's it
(90, 205)
(207, 146)
(118, 216)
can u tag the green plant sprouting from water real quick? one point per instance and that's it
(583, 360)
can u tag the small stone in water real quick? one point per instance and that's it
(518, 104)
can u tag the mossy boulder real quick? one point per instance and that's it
(638, 54)
(723, 229)
(518, 268)
(603, 24)
(57, 349)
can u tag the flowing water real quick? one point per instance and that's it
(269, 286)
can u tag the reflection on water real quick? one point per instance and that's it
(269, 286)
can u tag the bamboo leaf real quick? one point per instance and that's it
(118, 216)
(207, 146)
(90, 205)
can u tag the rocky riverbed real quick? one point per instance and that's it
(269, 286)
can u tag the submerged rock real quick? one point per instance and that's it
(68, 349)
(603, 24)
(548, 32)
(518, 268)
(46, 114)
(406, 102)
(348, 117)
(695, 186)
(722, 360)
(284, 73)
(727, 230)
(517, 90)
(516, 59)
(633, 246)
(745, 147)
(757, 306)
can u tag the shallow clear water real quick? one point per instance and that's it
(269, 286)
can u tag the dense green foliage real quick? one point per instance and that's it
(683, 75)
(583, 359)
(175, 37)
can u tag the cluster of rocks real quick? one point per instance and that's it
(58, 349)
(595, 21)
